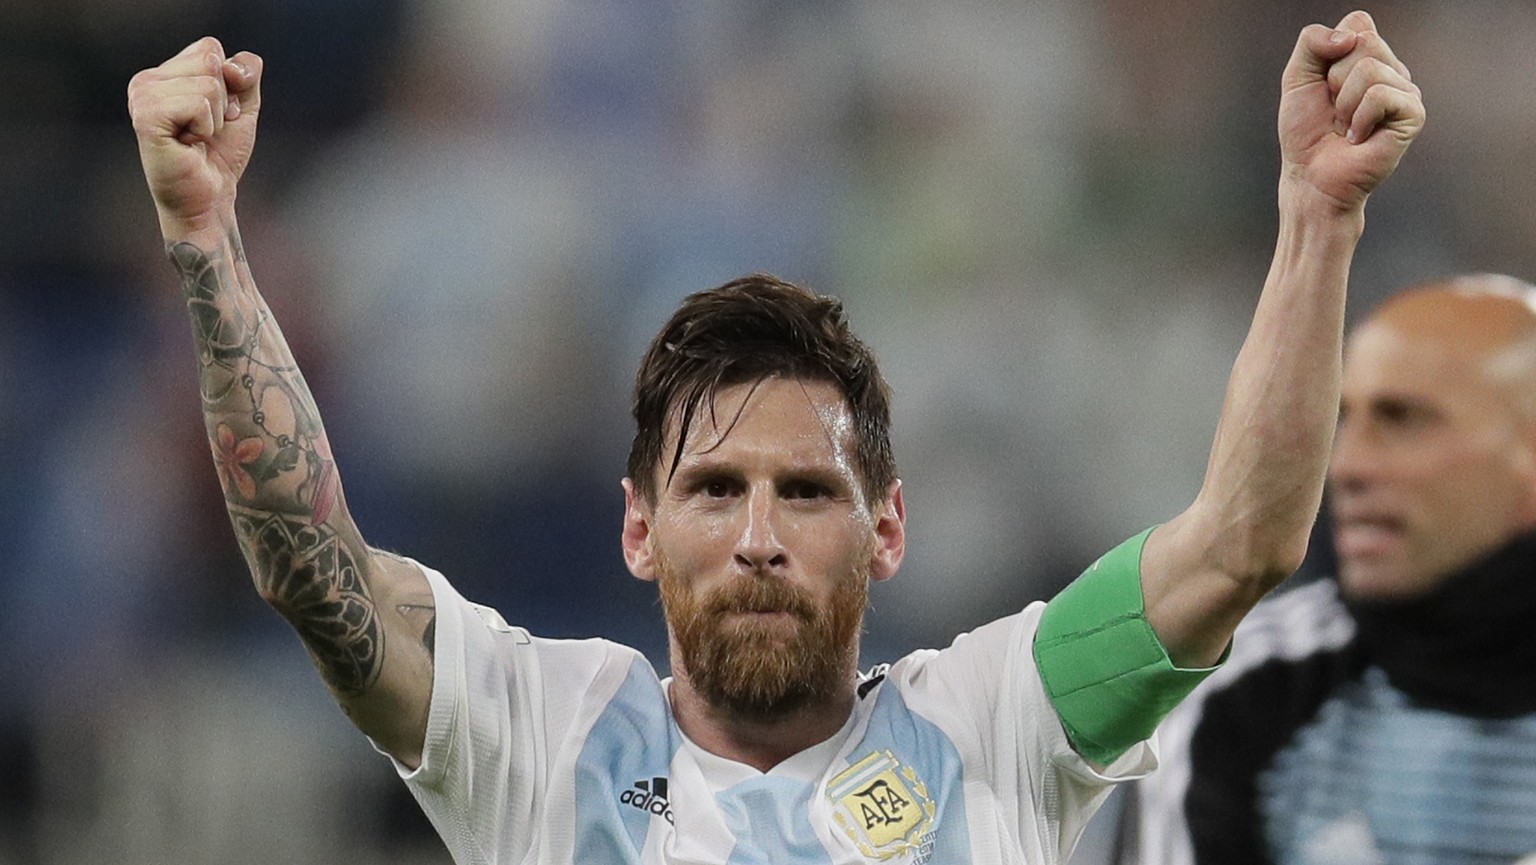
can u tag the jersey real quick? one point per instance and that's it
(560, 751)
(1302, 752)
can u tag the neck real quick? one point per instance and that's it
(1466, 646)
(757, 741)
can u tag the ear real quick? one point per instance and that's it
(890, 534)
(636, 538)
(1525, 465)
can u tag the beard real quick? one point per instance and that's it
(764, 670)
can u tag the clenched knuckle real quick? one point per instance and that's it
(141, 81)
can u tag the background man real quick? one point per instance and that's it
(1388, 716)
(762, 498)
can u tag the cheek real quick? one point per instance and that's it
(1523, 469)
(1482, 497)
(849, 549)
(691, 540)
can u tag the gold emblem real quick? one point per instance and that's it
(882, 805)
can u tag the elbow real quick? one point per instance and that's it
(1256, 542)
(1260, 563)
(1255, 553)
(284, 590)
(1287, 559)
(273, 597)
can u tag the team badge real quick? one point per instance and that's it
(883, 806)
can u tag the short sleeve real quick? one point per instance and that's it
(502, 703)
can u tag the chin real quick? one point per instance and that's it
(1377, 581)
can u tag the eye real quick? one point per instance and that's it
(715, 486)
(805, 490)
(1403, 414)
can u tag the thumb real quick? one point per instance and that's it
(242, 81)
(1358, 21)
(1317, 48)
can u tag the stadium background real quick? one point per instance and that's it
(1051, 219)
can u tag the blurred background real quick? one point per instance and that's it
(1051, 220)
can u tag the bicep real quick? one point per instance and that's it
(392, 710)
(364, 616)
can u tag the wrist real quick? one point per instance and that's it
(204, 230)
(1303, 204)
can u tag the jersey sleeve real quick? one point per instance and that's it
(502, 701)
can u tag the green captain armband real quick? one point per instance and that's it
(1106, 672)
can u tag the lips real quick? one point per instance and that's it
(759, 612)
(760, 596)
(764, 614)
(1367, 535)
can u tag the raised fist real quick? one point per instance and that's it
(1348, 111)
(195, 118)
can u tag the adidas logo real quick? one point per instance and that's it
(649, 796)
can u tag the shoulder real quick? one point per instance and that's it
(982, 672)
(974, 664)
(478, 650)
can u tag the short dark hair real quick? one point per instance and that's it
(745, 331)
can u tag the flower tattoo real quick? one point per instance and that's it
(233, 456)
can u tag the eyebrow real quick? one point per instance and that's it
(1402, 399)
(702, 467)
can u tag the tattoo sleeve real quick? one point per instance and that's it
(306, 557)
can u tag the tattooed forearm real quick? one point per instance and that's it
(275, 466)
(311, 578)
(268, 443)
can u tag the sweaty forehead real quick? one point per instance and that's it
(796, 415)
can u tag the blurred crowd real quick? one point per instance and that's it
(1051, 220)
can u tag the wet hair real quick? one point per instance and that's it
(744, 332)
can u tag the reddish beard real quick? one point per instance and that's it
(765, 669)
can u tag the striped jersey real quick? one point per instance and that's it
(1301, 752)
(565, 751)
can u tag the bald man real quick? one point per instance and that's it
(1388, 716)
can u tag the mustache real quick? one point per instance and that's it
(759, 594)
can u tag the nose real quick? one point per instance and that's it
(758, 547)
(1356, 458)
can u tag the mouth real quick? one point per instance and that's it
(762, 601)
(760, 614)
(1367, 536)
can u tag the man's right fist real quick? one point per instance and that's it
(195, 118)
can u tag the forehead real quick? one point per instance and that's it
(1383, 359)
(792, 418)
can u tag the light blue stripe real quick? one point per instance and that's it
(1430, 786)
(771, 821)
(633, 740)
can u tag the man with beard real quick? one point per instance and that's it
(762, 497)
(1388, 715)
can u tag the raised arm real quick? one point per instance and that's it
(366, 617)
(1348, 111)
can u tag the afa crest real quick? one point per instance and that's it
(882, 805)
